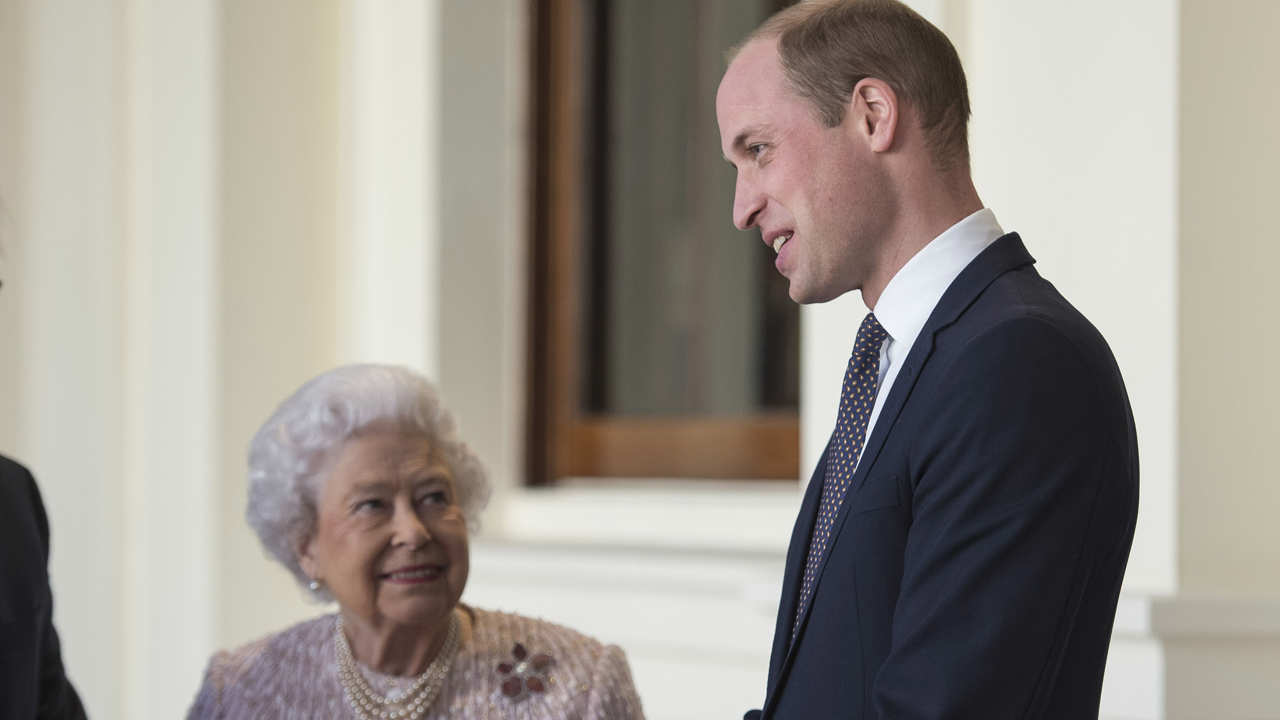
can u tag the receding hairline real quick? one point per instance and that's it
(736, 49)
(887, 40)
(777, 24)
(772, 30)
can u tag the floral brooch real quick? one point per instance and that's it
(525, 675)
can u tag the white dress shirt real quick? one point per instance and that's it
(911, 295)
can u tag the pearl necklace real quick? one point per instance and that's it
(409, 705)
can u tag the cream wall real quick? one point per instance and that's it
(483, 219)
(210, 202)
(183, 245)
(1229, 146)
(167, 168)
(62, 334)
(329, 253)
(278, 276)
(12, 50)
(1074, 134)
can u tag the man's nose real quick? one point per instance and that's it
(747, 204)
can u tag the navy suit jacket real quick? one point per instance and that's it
(975, 564)
(32, 681)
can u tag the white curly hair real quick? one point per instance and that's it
(289, 454)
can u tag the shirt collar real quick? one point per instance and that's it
(909, 298)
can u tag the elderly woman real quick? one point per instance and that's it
(358, 485)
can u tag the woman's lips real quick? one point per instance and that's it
(415, 575)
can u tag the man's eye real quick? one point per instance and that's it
(756, 150)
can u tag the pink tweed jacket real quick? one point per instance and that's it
(293, 674)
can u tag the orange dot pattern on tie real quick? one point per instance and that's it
(857, 398)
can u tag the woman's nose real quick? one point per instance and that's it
(408, 526)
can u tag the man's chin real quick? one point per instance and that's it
(798, 292)
(809, 293)
(805, 295)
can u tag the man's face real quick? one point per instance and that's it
(817, 194)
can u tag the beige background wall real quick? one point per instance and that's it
(209, 202)
(279, 279)
(62, 338)
(1073, 142)
(1229, 251)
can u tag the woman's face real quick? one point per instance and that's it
(391, 540)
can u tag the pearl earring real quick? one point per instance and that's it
(314, 585)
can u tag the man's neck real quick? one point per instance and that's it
(929, 208)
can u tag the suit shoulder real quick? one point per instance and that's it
(1023, 314)
(23, 521)
(1025, 294)
(1025, 355)
(15, 477)
(9, 466)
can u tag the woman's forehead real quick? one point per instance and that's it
(387, 455)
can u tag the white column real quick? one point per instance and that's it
(1073, 138)
(390, 235)
(1229, 149)
(1222, 649)
(12, 143)
(482, 176)
(277, 272)
(171, 468)
(64, 233)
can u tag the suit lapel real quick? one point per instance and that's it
(1005, 254)
(794, 570)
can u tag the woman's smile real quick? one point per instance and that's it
(414, 574)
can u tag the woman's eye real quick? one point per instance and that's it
(438, 497)
(369, 505)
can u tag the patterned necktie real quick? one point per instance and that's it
(857, 398)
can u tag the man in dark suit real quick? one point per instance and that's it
(960, 547)
(33, 683)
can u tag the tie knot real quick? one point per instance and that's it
(870, 336)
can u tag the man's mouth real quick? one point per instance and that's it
(779, 241)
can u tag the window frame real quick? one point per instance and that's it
(562, 440)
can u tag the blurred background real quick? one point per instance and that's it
(203, 204)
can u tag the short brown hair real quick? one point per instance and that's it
(827, 46)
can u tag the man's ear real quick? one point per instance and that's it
(873, 113)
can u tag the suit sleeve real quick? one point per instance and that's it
(57, 698)
(1006, 478)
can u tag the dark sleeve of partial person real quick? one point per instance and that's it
(1023, 501)
(35, 656)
